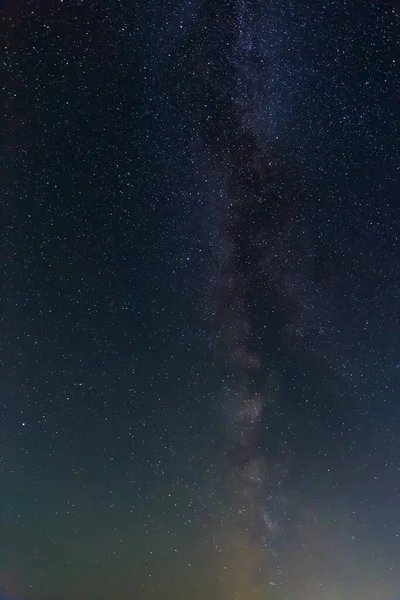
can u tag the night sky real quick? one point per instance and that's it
(200, 300)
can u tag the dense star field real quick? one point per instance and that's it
(200, 305)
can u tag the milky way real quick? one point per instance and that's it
(254, 236)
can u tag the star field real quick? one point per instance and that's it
(199, 344)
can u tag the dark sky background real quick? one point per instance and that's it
(200, 305)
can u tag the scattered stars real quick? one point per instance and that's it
(200, 300)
